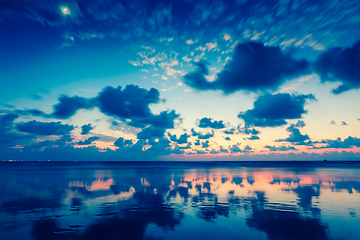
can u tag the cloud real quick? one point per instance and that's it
(151, 132)
(248, 131)
(272, 110)
(295, 136)
(213, 151)
(223, 150)
(235, 148)
(333, 123)
(33, 112)
(130, 102)
(254, 67)
(230, 131)
(88, 141)
(130, 105)
(198, 151)
(281, 148)
(181, 140)
(6, 122)
(161, 146)
(253, 137)
(227, 37)
(121, 142)
(188, 146)
(338, 64)
(205, 144)
(228, 139)
(86, 128)
(68, 106)
(164, 120)
(197, 78)
(300, 123)
(343, 123)
(248, 148)
(208, 11)
(62, 141)
(209, 46)
(338, 143)
(201, 135)
(208, 123)
(44, 128)
(9, 138)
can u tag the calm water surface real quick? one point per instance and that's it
(179, 201)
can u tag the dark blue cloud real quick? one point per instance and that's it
(126, 151)
(7, 105)
(295, 136)
(235, 148)
(88, 141)
(248, 148)
(300, 123)
(164, 120)
(281, 148)
(121, 142)
(198, 151)
(86, 128)
(151, 132)
(213, 151)
(223, 150)
(130, 105)
(161, 146)
(6, 121)
(130, 102)
(272, 110)
(197, 78)
(9, 138)
(343, 123)
(253, 137)
(208, 123)
(230, 131)
(205, 144)
(181, 140)
(197, 142)
(68, 106)
(254, 67)
(338, 143)
(62, 141)
(33, 112)
(228, 139)
(44, 128)
(201, 135)
(247, 130)
(338, 64)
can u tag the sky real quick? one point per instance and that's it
(179, 80)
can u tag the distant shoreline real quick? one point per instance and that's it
(186, 164)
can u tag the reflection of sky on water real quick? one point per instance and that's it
(179, 202)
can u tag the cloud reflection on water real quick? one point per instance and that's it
(126, 203)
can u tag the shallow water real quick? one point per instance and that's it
(179, 201)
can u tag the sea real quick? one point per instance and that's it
(180, 200)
